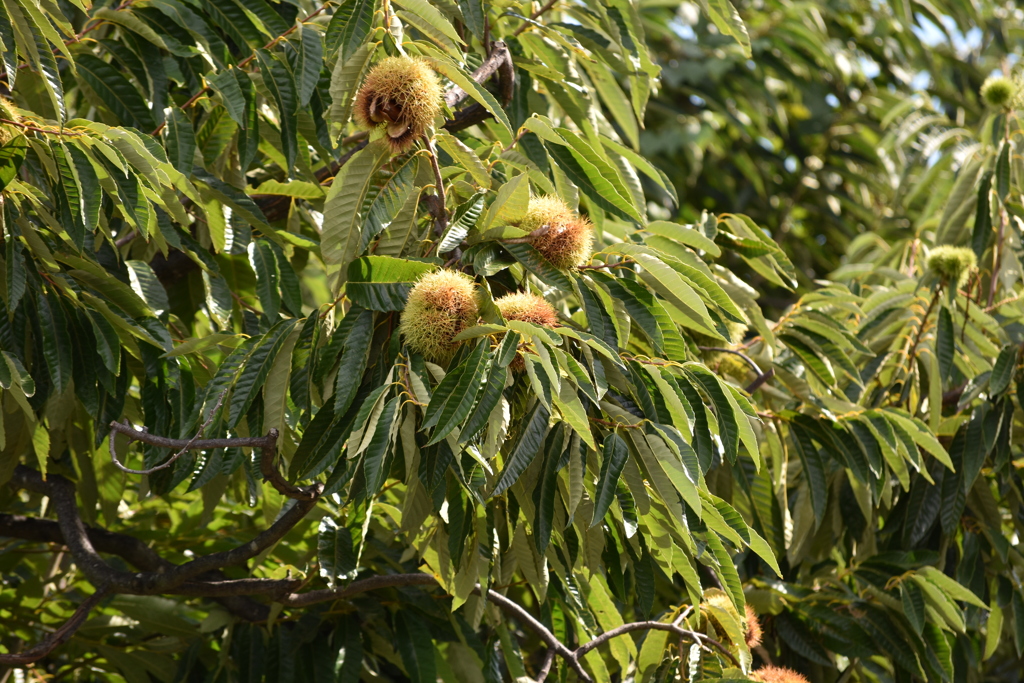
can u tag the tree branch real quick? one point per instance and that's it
(500, 62)
(696, 637)
(59, 636)
(267, 444)
(62, 494)
(169, 461)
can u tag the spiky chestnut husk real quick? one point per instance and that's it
(998, 91)
(752, 631)
(402, 95)
(440, 305)
(565, 238)
(529, 308)
(751, 626)
(776, 674)
(952, 264)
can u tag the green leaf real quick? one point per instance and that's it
(56, 341)
(257, 367)
(261, 258)
(300, 189)
(530, 441)
(341, 236)
(1002, 175)
(544, 493)
(281, 84)
(539, 266)
(374, 468)
(950, 586)
(416, 647)
(457, 393)
(225, 83)
(382, 283)
(116, 92)
(309, 61)
(464, 220)
(349, 28)
(1002, 371)
(913, 604)
(489, 398)
(354, 356)
(728, 21)
(335, 554)
(181, 141)
(613, 459)
(12, 155)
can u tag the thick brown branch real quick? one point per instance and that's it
(58, 637)
(62, 494)
(500, 62)
(165, 581)
(143, 558)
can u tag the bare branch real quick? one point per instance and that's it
(62, 494)
(268, 445)
(545, 669)
(694, 636)
(58, 637)
(542, 10)
(169, 461)
(165, 581)
(441, 212)
(499, 61)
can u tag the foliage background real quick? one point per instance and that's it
(178, 222)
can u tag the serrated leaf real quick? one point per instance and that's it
(613, 459)
(382, 283)
(529, 444)
(12, 155)
(341, 235)
(115, 91)
(539, 266)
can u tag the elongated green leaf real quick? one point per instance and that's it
(12, 155)
(530, 441)
(115, 91)
(181, 141)
(539, 266)
(334, 551)
(281, 84)
(349, 28)
(309, 60)
(341, 237)
(416, 647)
(382, 283)
(613, 459)
(257, 367)
(355, 352)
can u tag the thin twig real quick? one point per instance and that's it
(545, 668)
(59, 636)
(245, 62)
(542, 10)
(441, 212)
(170, 461)
(696, 637)
(37, 129)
